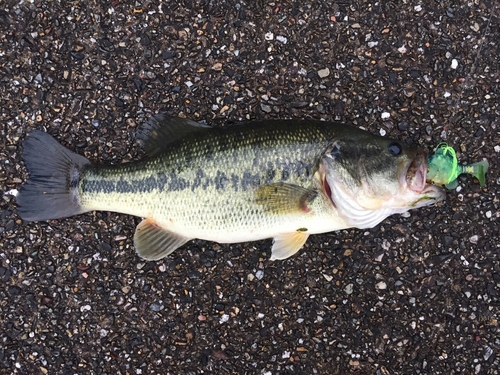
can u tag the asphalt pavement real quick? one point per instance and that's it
(418, 294)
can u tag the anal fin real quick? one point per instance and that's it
(287, 244)
(152, 242)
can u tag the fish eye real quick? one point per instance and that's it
(395, 149)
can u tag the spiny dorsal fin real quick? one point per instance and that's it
(161, 129)
(282, 198)
(287, 244)
(153, 242)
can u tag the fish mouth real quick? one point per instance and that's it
(415, 177)
(415, 180)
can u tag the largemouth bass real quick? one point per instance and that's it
(280, 179)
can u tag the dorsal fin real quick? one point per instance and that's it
(161, 130)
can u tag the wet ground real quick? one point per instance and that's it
(418, 294)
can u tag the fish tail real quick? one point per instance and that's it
(478, 170)
(55, 172)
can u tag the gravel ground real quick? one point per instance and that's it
(418, 294)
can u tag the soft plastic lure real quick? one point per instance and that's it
(444, 168)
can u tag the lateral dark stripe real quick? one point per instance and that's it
(113, 180)
(143, 185)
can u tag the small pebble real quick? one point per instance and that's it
(327, 277)
(269, 36)
(323, 73)
(217, 66)
(156, 306)
(265, 108)
(224, 318)
(85, 308)
(488, 352)
(282, 39)
(349, 288)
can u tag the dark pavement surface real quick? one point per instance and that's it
(418, 294)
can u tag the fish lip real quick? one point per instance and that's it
(415, 176)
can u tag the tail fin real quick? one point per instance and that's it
(478, 170)
(52, 190)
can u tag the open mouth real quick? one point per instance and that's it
(416, 173)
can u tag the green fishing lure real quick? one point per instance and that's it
(443, 168)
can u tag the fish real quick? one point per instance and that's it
(279, 179)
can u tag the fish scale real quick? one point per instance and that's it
(173, 193)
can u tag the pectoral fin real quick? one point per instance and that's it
(153, 242)
(287, 244)
(282, 198)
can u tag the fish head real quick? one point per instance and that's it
(369, 178)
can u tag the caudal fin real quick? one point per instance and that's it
(478, 170)
(52, 189)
